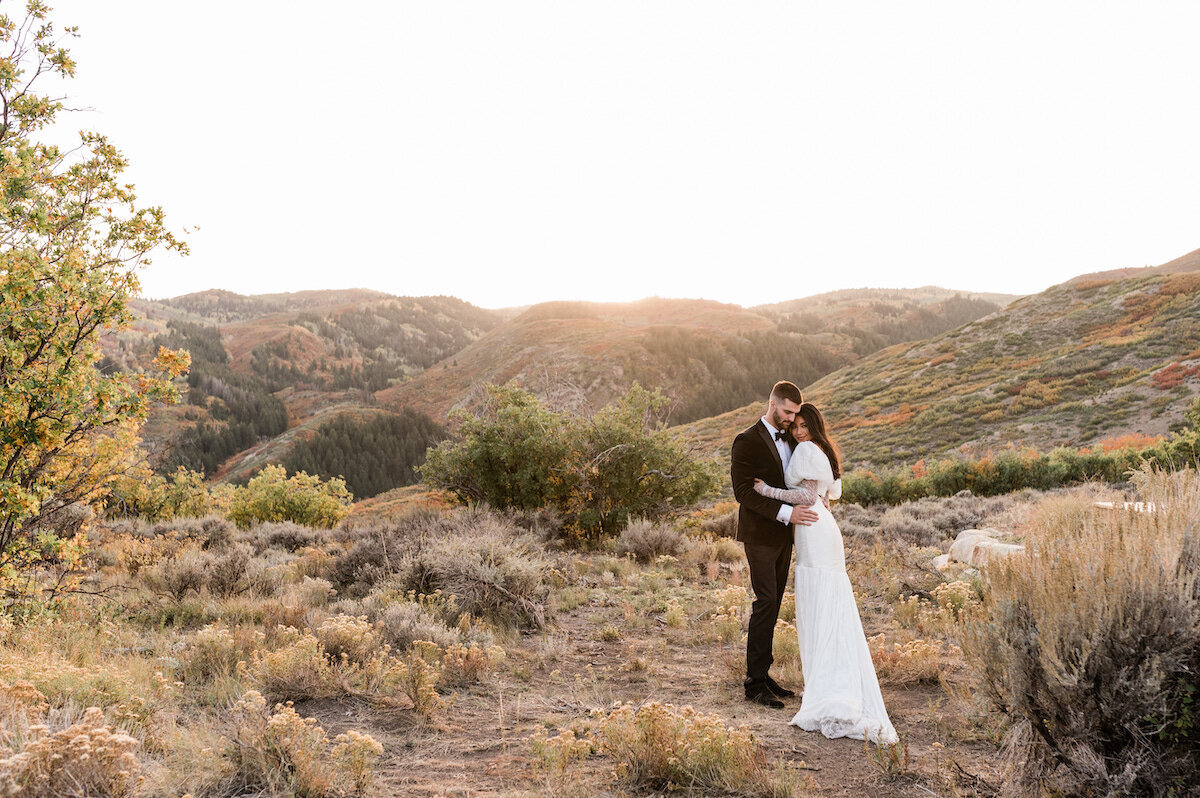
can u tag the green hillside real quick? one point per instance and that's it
(1080, 363)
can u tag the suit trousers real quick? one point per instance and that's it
(768, 577)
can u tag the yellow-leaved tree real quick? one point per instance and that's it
(71, 239)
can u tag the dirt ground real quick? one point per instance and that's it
(550, 679)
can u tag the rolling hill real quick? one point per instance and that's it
(706, 356)
(266, 369)
(1085, 361)
(272, 370)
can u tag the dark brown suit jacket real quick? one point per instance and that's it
(754, 455)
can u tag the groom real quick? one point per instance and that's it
(763, 451)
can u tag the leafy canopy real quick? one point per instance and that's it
(71, 238)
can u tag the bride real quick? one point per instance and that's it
(841, 692)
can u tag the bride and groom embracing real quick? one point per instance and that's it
(785, 470)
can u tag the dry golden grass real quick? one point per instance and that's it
(450, 696)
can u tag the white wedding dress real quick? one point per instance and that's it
(841, 691)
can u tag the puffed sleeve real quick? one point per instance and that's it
(835, 490)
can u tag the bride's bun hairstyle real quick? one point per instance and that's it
(820, 436)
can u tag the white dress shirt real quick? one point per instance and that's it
(784, 516)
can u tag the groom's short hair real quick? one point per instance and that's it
(787, 390)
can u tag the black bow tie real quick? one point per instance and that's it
(780, 435)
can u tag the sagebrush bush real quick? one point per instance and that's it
(707, 554)
(186, 568)
(544, 524)
(647, 539)
(177, 575)
(494, 570)
(227, 571)
(285, 535)
(209, 531)
(404, 622)
(1090, 645)
(899, 523)
(308, 592)
(857, 521)
(374, 549)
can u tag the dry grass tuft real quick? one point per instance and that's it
(913, 662)
(646, 539)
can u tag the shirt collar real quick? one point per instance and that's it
(767, 424)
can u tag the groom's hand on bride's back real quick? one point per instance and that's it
(804, 516)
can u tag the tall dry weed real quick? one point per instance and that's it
(1090, 645)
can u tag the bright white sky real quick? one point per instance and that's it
(516, 152)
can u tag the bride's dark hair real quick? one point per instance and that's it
(820, 436)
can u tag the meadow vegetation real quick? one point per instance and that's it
(220, 660)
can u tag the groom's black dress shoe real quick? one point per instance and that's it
(778, 691)
(763, 696)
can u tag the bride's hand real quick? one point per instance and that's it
(757, 481)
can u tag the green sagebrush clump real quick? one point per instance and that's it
(597, 472)
(1090, 645)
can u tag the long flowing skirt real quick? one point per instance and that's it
(841, 691)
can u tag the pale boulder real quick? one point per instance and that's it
(978, 546)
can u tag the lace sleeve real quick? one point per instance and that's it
(803, 495)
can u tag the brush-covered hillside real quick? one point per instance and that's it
(270, 371)
(708, 357)
(1082, 362)
(299, 378)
